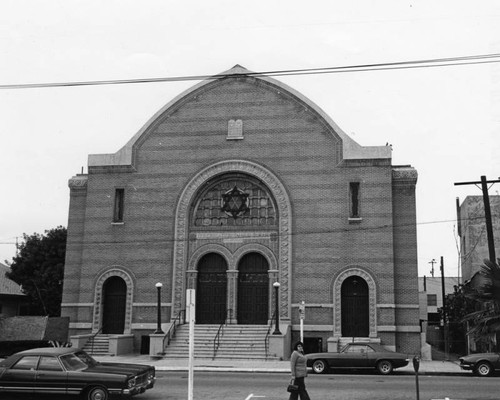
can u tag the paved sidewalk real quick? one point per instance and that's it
(228, 365)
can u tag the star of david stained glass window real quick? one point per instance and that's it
(235, 202)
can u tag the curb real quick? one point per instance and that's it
(287, 371)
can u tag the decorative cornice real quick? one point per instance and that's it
(405, 174)
(78, 182)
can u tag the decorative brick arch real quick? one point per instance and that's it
(98, 298)
(209, 248)
(192, 271)
(256, 248)
(372, 300)
(181, 263)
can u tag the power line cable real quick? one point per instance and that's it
(328, 231)
(426, 63)
(277, 234)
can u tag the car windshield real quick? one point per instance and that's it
(78, 361)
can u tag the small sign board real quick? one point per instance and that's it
(302, 311)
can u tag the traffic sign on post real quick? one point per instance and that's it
(302, 316)
(302, 310)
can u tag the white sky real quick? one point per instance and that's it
(443, 121)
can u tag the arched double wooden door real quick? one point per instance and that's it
(252, 299)
(253, 289)
(355, 307)
(211, 296)
(115, 301)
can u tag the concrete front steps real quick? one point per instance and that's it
(97, 345)
(236, 342)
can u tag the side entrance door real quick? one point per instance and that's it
(115, 298)
(355, 307)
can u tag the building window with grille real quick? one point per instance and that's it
(119, 205)
(354, 203)
(432, 300)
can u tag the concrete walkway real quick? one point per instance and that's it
(227, 365)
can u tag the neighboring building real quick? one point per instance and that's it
(472, 232)
(431, 300)
(11, 296)
(474, 249)
(236, 184)
(431, 290)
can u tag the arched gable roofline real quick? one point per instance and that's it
(350, 148)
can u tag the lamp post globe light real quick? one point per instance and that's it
(276, 286)
(159, 285)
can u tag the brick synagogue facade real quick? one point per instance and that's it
(236, 184)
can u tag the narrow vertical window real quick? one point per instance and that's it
(354, 200)
(119, 203)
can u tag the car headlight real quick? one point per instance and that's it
(131, 382)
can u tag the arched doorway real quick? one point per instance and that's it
(355, 307)
(115, 301)
(253, 289)
(211, 290)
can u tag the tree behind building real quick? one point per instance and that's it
(39, 268)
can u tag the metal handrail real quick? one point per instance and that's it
(93, 337)
(266, 340)
(173, 328)
(220, 332)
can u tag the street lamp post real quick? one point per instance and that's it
(276, 286)
(158, 327)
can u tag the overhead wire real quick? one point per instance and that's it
(293, 234)
(425, 63)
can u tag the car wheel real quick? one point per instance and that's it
(96, 393)
(483, 368)
(384, 367)
(319, 367)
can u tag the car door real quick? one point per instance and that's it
(496, 363)
(50, 376)
(356, 356)
(372, 356)
(20, 377)
(351, 356)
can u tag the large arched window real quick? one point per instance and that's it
(234, 200)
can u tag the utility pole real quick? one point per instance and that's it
(487, 213)
(445, 325)
(432, 262)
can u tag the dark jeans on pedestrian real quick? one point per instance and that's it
(302, 390)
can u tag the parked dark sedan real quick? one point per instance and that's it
(358, 356)
(64, 370)
(482, 364)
